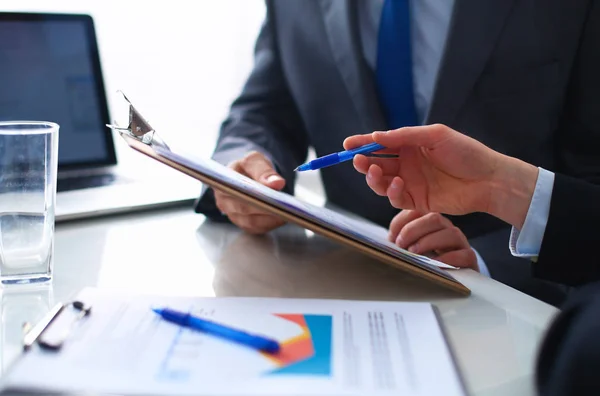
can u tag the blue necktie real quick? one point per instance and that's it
(394, 65)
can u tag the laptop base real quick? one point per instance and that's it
(123, 198)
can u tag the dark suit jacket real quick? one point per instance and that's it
(568, 253)
(569, 358)
(522, 76)
(570, 354)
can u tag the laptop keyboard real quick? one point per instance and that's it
(82, 182)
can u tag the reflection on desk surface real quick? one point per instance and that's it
(292, 262)
(494, 332)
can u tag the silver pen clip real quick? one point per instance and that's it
(139, 128)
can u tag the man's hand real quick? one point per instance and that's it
(250, 218)
(441, 170)
(432, 235)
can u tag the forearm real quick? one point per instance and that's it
(511, 190)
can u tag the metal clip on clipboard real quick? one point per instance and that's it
(39, 332)
(138, 128)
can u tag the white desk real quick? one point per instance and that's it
(494, 333)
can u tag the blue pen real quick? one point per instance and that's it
(206, 326)
(336, 158)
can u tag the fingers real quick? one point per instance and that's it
(384, 183)
(248, 217)
(357, 141)
(444, 240)
(427, 136)
(389, 166)
(258, 167)
(399, 221)
(361, 163)
(377, 181)
(417, 229)
(398, 196)
(256, 224)
(362, 140)
(432, 232)
(463, 258)
(232, 206)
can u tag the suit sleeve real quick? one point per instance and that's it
(569, 249)
(570, 354)
(515, 271)
(579, 130)
(263, 118)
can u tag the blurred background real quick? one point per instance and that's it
(180, 62)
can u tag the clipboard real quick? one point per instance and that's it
(124, 348)
(140, 136)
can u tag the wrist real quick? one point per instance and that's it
(511, 189)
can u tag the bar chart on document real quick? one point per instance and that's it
(369, 350)
(305, 341)
(331, 347)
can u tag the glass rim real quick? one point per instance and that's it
(21, 126)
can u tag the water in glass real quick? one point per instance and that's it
(27, 198)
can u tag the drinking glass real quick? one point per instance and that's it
(28, 166)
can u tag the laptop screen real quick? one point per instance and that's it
(50, 71)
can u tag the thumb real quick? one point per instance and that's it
(426, 136)
(259, 168)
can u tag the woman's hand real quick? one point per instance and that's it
(432, 235)
(441, 170)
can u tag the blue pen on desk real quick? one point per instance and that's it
(336, 158)
(206, 326)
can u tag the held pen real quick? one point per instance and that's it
(336, 158)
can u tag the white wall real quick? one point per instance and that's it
(180, 61)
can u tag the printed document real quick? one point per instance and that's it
(328, 347)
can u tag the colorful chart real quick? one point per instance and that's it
(310, 352)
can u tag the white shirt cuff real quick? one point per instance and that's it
(528, 241)
(483, 269)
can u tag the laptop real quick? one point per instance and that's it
(50, 70)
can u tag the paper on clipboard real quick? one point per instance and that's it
(146, 140)
(328, 347)
(360, 229)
